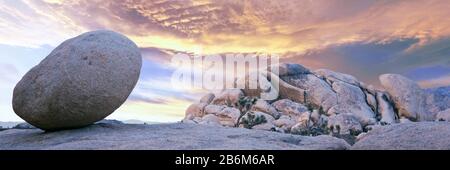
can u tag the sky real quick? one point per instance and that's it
(364, 38)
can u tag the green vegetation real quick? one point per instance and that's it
(244, 105)
(251, 119)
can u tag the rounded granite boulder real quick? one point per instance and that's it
(82, 81)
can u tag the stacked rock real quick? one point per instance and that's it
(322, 102)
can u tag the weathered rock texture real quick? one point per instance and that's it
(411, 136)
(82, 81)
(179, 136)
(409, 98)
(327, 102)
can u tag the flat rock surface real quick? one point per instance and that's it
(407, 136)
(107, 136)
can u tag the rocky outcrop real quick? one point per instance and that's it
(82, 81)
(351, 99)
(412, 136)
(177, 136)
(409, 98)
(327, 102)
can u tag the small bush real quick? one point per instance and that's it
(251, 119)
(244, 105)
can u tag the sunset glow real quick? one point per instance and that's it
(364, 38)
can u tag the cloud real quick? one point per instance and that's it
(217, 26)
(360, 37)
(436, 52)
(435, 82)
(24, 24)
(367, 61)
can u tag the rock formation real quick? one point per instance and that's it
(412, 136)
(408, 97)
(325, 102)
(82, 81)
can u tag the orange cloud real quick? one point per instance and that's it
(217, 26)
(295, 28)
(436, 82)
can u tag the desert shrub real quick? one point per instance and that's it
(244, 105)
(321, 111)
(314, 130)
(251, 119)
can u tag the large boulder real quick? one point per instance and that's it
(411, 136)
(82, 81)
(409, 98)
(318, 92)
(352, 100)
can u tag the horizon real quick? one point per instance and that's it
(410, 38)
